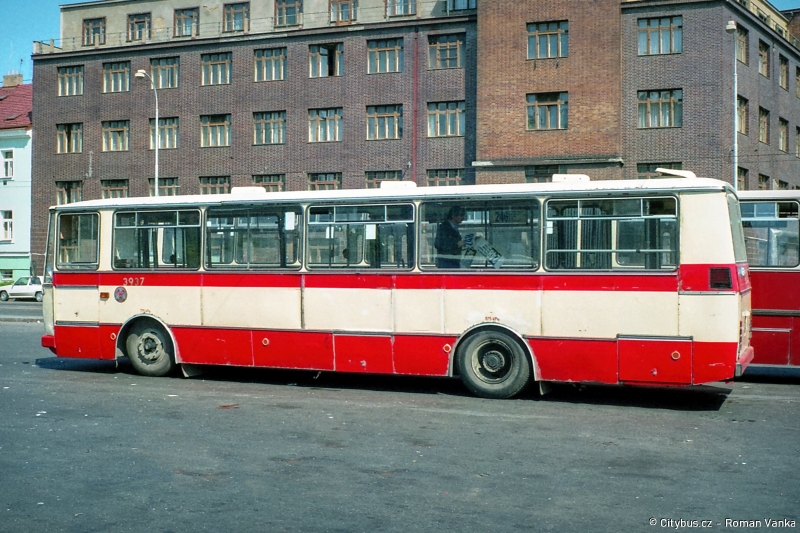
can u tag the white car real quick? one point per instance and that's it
(23, 288)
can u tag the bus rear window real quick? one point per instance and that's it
(771, 233)
(77, 241)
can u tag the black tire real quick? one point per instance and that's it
(492, 364)
(4, 296)
(38, 296)
(150, 349)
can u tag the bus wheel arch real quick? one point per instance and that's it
(149, 345)
(493, 361)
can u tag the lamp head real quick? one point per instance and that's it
(140, 74)
(730, 27)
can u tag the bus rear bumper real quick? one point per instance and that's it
(49, 341)
(744, 359)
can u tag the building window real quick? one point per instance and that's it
(445, 177)
(661, 109)
(167, 133)
(446, 119)
(68, 192)
(742, 45)
(385, 122)
(269, 127)
(215, 130)
(287, 12)
(271, 182)
(7, 158)
(215, 185)
(396, 8)
(70, 81)
(115, 135)
(344, 10)
(763, 59)
(547, 111)
(548, 39)
(385, 56)
(187, 22)
(165, 72)
(446, 51)
(216, 69)
(166, 186)
(782, 185)
(374, 178)
(660, 36)
(797, 82)
(114, 188)
(236, 17)
(70, 138)
(325, 181)
(139, 27)
(6, 225)
(460, 5)
(783, 135)
(270, 64)
(117, 77)
(742, 182)
(797, 142)
(325, 125)
(763, 182)
(94, 32)
(783, 72)
(742, 114)
(763, 125)
(325, 60)
(543, 173)
(647, 171)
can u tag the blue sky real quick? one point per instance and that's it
(25, 21)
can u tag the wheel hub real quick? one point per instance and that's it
(494, 361)
(150, 347)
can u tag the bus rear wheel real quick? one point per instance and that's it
(150, 349)
(492, 364)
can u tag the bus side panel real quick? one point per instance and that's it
(206, 346)
(776, 291)
(575, 360)
(79, 341)
(422, 356)
(714, 361)
(363, 353)
(772, 339)
(655, 360)
(293, 349)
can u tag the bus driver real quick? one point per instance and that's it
(448, 241)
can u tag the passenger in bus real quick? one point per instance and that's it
(448, 242)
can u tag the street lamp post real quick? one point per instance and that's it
(141, 73)
(730, 28)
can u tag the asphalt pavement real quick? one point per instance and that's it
(20, 311)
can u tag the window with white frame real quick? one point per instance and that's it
(94, 31)
(270, 64)
(660, 109)
(287, 12)
(460, 5)
(446, 119)
(6, 225)
(269, 127)
(385, 55)
(445, 177)
(236, 17)
(396, 8)
(216, 68)
(215, 130)
(325, 125)
(139, 27)
(343, 11)
(114, 188)
(385, 122)
(70, 81)
(165, 72)
(663, 35)
(446, 51)
(547, 111)
(783, 134)
(271, 182)
(7, 157)
(70, 138)
(215, 185)
(166, 186)
(117, 77)
(167, 133)
(325, 60)
(324, 181)
(115, 135)
(375, 177)
(548, 39)
(187, 22)
(68, 192)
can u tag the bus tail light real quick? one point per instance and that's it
(720, 278)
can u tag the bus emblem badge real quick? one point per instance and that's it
(120, 294)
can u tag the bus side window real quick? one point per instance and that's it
(77, 241)
(157, 239)
(772, 233)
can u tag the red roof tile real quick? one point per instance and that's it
(15, 106)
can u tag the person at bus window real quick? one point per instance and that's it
(448, 242)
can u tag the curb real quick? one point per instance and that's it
(20, 319)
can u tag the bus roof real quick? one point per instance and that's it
(769, 195)
(466, 192)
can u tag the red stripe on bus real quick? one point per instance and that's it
(658, 282)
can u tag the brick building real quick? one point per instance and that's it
(298, 94)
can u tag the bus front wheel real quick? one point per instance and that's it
(492, 364)
(150, 349)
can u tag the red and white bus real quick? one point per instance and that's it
(772, 236)
(618, 282)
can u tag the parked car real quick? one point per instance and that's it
(23, 288)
